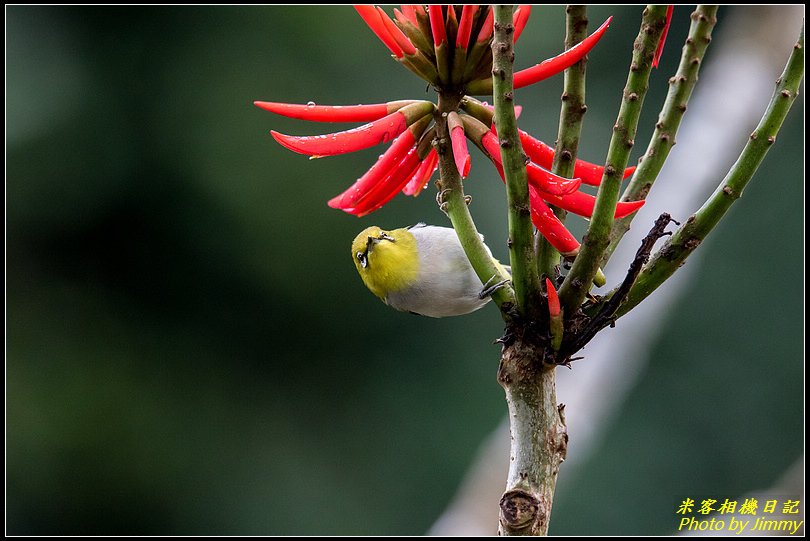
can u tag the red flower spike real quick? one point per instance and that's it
(486, 29)
(520, 18)
(423, 174)
(378, 172)
(398, 35)
(465, 25)
(582, 204)
(372, 18)
(334, 113)
(543, 155)
(389, 187)
(551, 227)
(553, 300)
(660, 49)
(367, 135)
(562, 61)
(437, 24)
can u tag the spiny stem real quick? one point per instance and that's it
(571, 116)
(596, 240)
(689, 236)
(452, 199)
(521, 249)
(663, 139)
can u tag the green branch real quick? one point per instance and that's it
(572, 112)
(521, 248)
(454, 203)
(663, 139)
(689, 236)
(578, 281)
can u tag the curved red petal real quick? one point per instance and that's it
(465, 25)
(550, 226)
(423, 174)
(381, 169)
(549, 182)
(520, 18)
(367, 135)
(625, 208)
(629, 171)
(326, 113)
(409, 11)
(539, 152)
(553, 299)
(543, 155)
(389, 187)
(460, 153)
(437, 24)
(486, 29)
(552, 66)
(372, 18)
(398, 35)
(660, 49)
(490, 144)
(582, 204)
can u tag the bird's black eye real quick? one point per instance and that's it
(363, 259)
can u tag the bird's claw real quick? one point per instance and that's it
(441, 195)
(492, 286)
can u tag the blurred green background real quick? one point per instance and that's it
(190, 351)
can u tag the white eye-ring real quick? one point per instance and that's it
(363, 259)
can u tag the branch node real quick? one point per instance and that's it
(519, 509)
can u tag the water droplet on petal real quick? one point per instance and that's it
(310, 104)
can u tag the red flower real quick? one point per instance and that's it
(448, 46)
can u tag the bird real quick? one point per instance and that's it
(422, 269)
